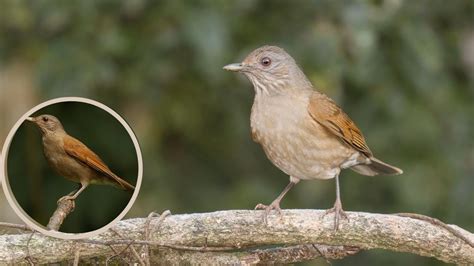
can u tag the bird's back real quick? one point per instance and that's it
(85, 156)
(73, 160)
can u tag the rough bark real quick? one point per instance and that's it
(240, 237)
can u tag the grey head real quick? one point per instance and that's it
(48, 124)
(272, 71)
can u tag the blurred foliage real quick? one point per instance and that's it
(403, 70)
(37, 187)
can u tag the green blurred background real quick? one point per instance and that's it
(403, 70)
(36, 187)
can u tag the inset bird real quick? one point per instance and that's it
(72, 159)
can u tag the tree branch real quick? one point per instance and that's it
(65, 207)
(240, 236)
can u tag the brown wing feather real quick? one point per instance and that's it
(326, 112)
(83, 154)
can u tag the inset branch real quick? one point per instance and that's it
(65, 207)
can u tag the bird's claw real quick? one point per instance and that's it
(338, 213)
(260, 206)
(65, 198)
(267, 208)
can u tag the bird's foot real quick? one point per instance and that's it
(338, 213)
(275, 205)
(67, 197)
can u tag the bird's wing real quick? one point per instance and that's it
(326, 112)
(84, 155)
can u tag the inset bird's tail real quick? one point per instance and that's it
(376, 167)
(127, 186)
(122, 184)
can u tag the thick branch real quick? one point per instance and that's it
(240, 232)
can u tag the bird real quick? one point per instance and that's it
(73, 160)
(302, 131)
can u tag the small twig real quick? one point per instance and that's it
(77, 257)
(147, 223)
(146, 248)
(28, 256)
(116, 254)
(65, 207)
(321, 253)
(336, 252)
(30, 261)
(113, 256)
(15, 226)
(157, 244)
(149, 230)
(120, 253)
(134, 251)
(298, 253)
(436, 222)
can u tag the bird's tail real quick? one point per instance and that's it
(122, 184)
(127, 186)
(376, 167)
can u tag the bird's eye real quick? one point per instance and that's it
(265, 61)
(45, 119)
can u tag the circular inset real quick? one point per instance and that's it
(67, 141)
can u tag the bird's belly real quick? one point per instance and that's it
(299, 157)
(299, 146)
(66, 166)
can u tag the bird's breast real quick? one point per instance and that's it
(61, 162)
(293, 141)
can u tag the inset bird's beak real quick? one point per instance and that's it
(31, 119)
(234, 67)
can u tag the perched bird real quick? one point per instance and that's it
(72, 159)
(302, 131)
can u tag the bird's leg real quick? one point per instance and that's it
(73, 195)
(79, 185)
(275, 205)
(69, 196)
(337, 209)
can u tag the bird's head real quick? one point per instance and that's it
(47, 123)
(271, 70)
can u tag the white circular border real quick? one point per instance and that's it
(14, 204)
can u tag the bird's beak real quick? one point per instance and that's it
(234, 67)
(31, 119)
